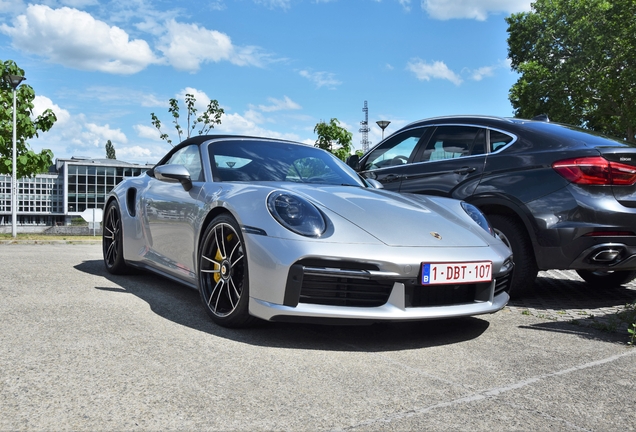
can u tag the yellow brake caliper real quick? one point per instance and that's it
(218, 258)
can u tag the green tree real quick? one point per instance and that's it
(110, 150)
(206, 121)
(577, 61)
(28, 162)
(334, 138)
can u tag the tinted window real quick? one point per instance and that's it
(499, 140)
(396, 151)
(450, 142)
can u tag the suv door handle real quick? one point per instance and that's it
(391, 178)
(465, 170)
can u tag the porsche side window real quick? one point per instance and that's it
(450, 142)
(396, 151)
(190, 158)
(499, 140)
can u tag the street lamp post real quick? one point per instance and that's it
(14, 81)
(383, 124)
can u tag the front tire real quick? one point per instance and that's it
(514, 235)
(607, 279)
(223, 274)
(113, 240)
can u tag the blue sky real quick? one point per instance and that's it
(277, 67)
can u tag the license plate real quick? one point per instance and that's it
(456, 273)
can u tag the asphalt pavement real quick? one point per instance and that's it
(84, 350)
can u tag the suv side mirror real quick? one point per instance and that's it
(354, 161)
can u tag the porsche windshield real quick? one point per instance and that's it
(250, 161)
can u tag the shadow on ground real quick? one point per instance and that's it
(560, 295)
(182, 305)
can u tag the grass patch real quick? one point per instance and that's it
(44, 237)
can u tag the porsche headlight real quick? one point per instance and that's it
(476, 215)
(296, 214)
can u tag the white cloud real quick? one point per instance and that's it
(472, 9)
(437, 70)
(75, 39)
(488, 71)
(96, 135)
(186, 46)
(134, 153)
(11, 6)
(42, 103)
(283, 4)
(249, 124)
(79, 3)
(74, 135)
(202, 99)
(280, 105)
(321, 79)
(123, 96)
(147, 132)
(406, 5)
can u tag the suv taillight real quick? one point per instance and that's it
(596, 171)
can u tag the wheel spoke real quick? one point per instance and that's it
(219, 284)
(238, 245)
(110, 253)
(236, 293)
(216, 264)
(218, 297)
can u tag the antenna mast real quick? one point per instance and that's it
(365, 129)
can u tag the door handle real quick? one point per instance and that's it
(391, 178)
(465, 170)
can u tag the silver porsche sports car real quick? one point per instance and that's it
(283, 231)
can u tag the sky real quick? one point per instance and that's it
(276, 67)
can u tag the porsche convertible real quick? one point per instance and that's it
(280, 231)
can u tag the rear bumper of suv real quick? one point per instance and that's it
(581, 229)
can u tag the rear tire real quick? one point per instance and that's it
(514, 235)
(223, 274)
(113, 241)
(606, 279)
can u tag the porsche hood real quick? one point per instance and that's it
(394, 219)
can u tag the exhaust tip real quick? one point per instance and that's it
(606, 256)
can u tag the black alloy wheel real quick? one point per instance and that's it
(223, 274)
(513, 234)
(112, 240)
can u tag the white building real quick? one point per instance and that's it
(72, 186)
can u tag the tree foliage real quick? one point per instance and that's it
(110, 150)
(333, 138)
(577, 61)
(205, 122)
(28, 162)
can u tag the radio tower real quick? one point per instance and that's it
(365, 129)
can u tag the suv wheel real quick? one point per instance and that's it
(514, 235)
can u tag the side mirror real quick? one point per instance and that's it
(374, 183)
(354, 161)
(172, 173)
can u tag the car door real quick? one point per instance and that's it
(170, 213)
(450, 163)
(388, 162)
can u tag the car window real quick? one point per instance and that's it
(251, 161)
(499, 140)
(396, 151)
(190, 158)
(450, 142)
